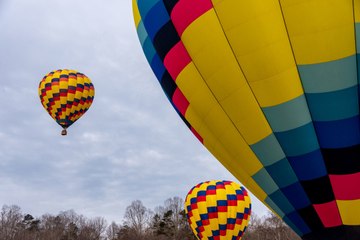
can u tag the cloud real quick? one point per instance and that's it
(128, 146)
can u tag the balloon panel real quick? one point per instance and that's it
(218, 210)
(66, 95)
(271, 89)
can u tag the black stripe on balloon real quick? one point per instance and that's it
(342, 160)
(319, 190)
(168, 85)
(185, 121)
(335, 233)
(165, 39)
(55, 80)
(310, 216)
(170, 4)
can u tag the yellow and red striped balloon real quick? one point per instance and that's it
(218, 210)
(66, 95)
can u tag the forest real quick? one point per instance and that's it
(165, 222)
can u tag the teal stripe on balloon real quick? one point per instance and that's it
(142, 34)
(264, 180)
(145, 6)
(149, 50)
(282, 202)
(268, 150)
(288, 115)
(332, 106)
(282, 173)
(329, 76)
(274, 207)
(299, 141)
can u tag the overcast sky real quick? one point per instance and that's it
(131, 144)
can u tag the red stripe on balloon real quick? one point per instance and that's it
(197, 135)
(187, 11)
(180, 101)
(176, 60)
(346, 187)
(329, 214)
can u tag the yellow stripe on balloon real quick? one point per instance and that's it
(257, 35)
(349, 211)
(316, 39)
(216, 68)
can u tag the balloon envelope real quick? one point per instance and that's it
(218, 210)
(271, 89)
(66, 95)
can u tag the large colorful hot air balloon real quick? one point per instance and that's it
(270, 87)
(218, 210)
(66, 95)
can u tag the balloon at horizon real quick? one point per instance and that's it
(270, 88)
(218, 210)
(66, 95)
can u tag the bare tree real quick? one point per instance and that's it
(112, 232)
(270, 227)
(137, 217)
(10, 221)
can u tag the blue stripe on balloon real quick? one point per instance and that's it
(299, 222)
(155, 19)
(281, 201)
(145, 6)
(222, 227)
(329, 76)
(222, 203)
(292, 226)
(335, 105)
(231, 221)
(201, 193)
(298, 141)
(212, 209)
(149, 50)
(338, 134)
(158, 67)
(231, 197)
(282, 173)
(296, 196)
(274, 207)
(308, 166)
(241, 215)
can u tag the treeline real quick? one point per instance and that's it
(166, 222)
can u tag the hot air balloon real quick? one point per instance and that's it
(270, 87)
(66, 95)
(218, 210)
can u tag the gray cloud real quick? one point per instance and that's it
(128, 146)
